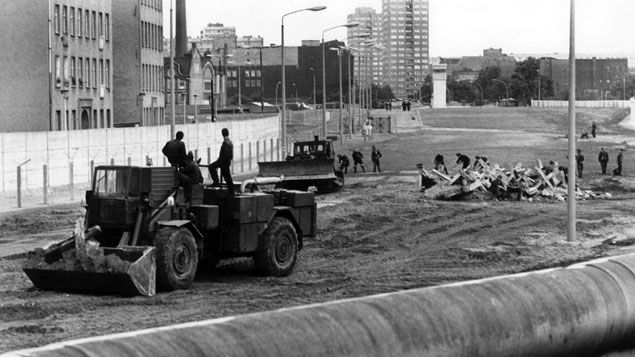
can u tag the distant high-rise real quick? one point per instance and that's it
(406, 57)
(361, 39)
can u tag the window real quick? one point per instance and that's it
(74, 119)
(72, 20)
(94, 27)
(101, 25)
(58, 119)
(80, 23)
(80, 72)
(94, 75)
(58, 71)
(108, 74)
(107, 27)
(87, 72)
(65, 19)
(73, 72)
(87, 24)
(101, 72)
(56, 19)
(67, 71)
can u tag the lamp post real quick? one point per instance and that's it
(348, 25)
(195, 109)
(571, 205)
(506, 88)
(339, 57)
(277, 84)
(211, 90)
(173, 97)
(284, 79)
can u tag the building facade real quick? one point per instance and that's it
(138, 57)
(57, 61)
(406, 54)
(369, 68)
(467, 68)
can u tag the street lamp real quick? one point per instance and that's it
(211, 90)
(195, 109)
(284, 79)
(348, 25)
(506, 88)
(339, 56)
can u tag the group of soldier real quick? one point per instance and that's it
(187, 168)
(358, 159)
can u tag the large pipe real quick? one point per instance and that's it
(581, 310)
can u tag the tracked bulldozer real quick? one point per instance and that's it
(143, 233)
(312, 164)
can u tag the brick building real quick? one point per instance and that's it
(56, 55)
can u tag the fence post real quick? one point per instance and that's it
(209, 155)
(242, 157)
(70, 180)
(278, 149)
(92, 171)
(164, 161)
(264, 149)
(195, 154)
(249, 167)
(112, 161)
(257, 151)
(129, 161)
(45, 184)
(271, 148)
(19, 172)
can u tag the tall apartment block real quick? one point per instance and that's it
(369, 59)
(138, 74)
(406, 57)
(57, 65)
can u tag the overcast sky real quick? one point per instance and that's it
(457, 27)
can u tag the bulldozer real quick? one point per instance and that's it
(142, 232)
(312, 164)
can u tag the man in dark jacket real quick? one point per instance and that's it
(223, 162)
(357, 160)
(189, 175)
(463, 160)
(579, 159)
(603, 158)
(375, 155)
(174, 150)
(620, 157)
(344, 163)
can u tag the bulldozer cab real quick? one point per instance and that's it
(316, 149)
(116, 182)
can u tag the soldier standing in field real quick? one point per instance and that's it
(357, 159)
(579, 159)
(620, 157)
(375, 156)
(603, 158)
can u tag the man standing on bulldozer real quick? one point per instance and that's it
(174, 150)
(223, 162)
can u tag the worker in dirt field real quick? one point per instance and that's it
(174, 150)
(463, 160)
(498, 188)
(439, 164)
(593, 129)
(358, 160)
(375, 155)
(344, 163)
(620, 157)
(579, 159)
(223, 162)
(603, 158)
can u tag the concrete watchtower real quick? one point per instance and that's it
(439, 82)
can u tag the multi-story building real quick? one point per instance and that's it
(249, 41)
(215, 36)
(361, 38)
(57, 65)
(406, 54)
(467, 68)
(138, 58)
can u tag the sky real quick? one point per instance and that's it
(457, 27)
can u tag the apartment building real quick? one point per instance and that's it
(363, 39)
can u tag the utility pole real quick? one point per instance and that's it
(571, 204)
(173, 99)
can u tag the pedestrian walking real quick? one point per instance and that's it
(620, 157)
(174, 150)
(358, 160)
(579, 159)
(223, 162)
(463, 160)
(375, 156)
(593, 129)
(603, 158)
(344, 163)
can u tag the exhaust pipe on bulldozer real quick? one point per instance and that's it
(78, 264)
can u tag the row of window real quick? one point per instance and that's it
(152, 78)
(81, 22)
(155, 4)
(151, 36)
(71, 121)
(248, 73)
(78, 72)
(248, 83)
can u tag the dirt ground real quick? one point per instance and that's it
(378, 235)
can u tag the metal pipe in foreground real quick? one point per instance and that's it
(581, 310)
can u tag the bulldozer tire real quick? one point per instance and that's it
(278, 248)
(177, 258)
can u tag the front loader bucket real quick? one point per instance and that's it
(126, 271)
(298, 169)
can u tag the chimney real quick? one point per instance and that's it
(181, 29)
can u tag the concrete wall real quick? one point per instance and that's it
(580, 104)
(124, 145)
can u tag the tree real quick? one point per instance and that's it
(492, 89)
(627, 86)
(463, 91)
(426, 89)
(525, 81)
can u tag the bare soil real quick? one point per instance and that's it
(377, 235)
